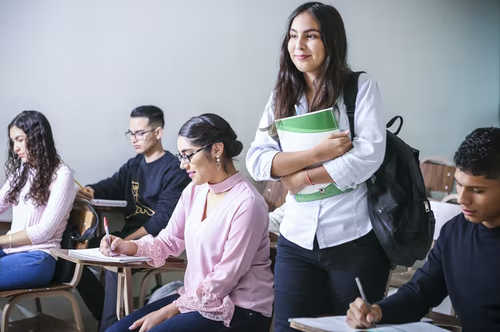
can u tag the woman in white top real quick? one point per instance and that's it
(325, 243)
(41, 191)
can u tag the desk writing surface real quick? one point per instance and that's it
(171, 262)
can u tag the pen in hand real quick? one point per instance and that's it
(363, 296)
(106, 229)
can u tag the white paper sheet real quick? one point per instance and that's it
(338, 324)
(95, 255)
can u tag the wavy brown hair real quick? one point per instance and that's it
(43, 160)
(334, 71)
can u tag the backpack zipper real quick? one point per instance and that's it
(426, 204)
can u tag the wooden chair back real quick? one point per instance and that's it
(275, 194)
(438, 177)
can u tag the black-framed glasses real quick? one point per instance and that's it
(187, 157)
(138, 134)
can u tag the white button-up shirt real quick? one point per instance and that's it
(341, 218)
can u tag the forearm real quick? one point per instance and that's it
(286, 163)
(137, 234)
(319, 175)
(128, 248)
(15, 240)
(402, 308)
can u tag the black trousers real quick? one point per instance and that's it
(310, 283)
(90, 288)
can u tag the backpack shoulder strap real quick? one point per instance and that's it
(350, 93)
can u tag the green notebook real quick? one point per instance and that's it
(302, 132)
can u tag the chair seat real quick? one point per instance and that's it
(9, 293)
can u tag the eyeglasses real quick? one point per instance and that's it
(138, 134)
(187, 157)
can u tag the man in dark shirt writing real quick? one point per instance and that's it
(464, 263)
(151, 183)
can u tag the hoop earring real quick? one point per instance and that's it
(217, 164)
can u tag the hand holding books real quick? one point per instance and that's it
(333, 146)
(319, 133)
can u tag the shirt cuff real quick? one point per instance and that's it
(339, 172)
(146, 247)
(207, 304)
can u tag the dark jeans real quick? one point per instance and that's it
(244, 320)
(29, 269)
(310, 283)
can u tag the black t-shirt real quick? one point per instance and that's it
(150, 189)
(464, 264)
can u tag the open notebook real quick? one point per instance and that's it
(95, 255)
(338, 324)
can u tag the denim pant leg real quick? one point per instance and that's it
(244, 320)
(109, 310)
(299, 285)
(123, 324)
(30, 269)
(363, 258)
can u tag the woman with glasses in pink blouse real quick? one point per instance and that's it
(222, 223)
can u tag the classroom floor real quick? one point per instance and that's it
(60, 308)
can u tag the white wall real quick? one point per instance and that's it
(87, 64)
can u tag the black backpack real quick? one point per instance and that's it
(70, 238)
(397, 203)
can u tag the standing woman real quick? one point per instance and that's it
(324, 244)
(222, 223)
(41, 191)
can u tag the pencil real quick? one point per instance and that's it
(78, 183)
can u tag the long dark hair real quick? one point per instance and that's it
(207, 129)
(333, 72)
(42, 159)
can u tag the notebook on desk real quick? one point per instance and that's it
(95, 255)
(338, 324)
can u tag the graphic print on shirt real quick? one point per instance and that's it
(139, 207)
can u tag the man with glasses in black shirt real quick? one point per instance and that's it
(151, 183)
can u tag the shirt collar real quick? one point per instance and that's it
(227, 184)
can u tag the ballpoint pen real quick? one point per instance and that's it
(106, 229)
(363, 296)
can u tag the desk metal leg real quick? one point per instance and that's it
(119, 296)
(128, 295)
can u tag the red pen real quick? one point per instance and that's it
(106, 229)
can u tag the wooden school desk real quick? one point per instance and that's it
(124, 270)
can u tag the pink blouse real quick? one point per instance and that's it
(228, 252)
(44, 224)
